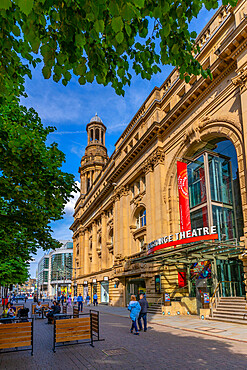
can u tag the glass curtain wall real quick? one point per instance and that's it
(61, 266)
(211, 195)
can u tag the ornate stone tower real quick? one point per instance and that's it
(95, 154)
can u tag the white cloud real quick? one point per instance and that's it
(78, 149)
(69, 207)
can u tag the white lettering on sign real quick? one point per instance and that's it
(200, 231)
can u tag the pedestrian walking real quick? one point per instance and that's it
(62, 299)
(143, 313)
(80, 302)
(134, 308)
(69, 301)
(95, 299)
(88, 299)
(75, 299)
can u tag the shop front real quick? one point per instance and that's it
(134, 286)
(104, 291)
(85, 289)
(93, 288)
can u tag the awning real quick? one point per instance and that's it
(194, 252)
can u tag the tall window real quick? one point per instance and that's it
(141, 219)
(97, 134)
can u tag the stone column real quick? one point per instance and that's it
(83, 184)
(158, 204)
(150, 209)
(116, 228)
(74, 257)
(104, 250)
(82, 253)
(124, 247)
(94, 251)
(86, 250)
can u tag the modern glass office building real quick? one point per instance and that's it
(55, 271)
(43, 275)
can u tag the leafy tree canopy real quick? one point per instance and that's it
(33, 189)
(97, 39)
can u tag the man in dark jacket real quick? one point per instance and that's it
(143, 313)
(55, 309)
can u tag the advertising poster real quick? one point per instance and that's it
(183, 191)
(206, 297)
(167, 297)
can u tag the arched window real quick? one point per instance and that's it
(91, 135)
(97, 134)
(141, 218)
(102, 137)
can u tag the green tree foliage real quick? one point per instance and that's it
(33, 189)
(97, 39)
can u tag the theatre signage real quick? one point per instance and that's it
(183, 237)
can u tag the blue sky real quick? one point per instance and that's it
(70, 108)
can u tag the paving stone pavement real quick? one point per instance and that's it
(159, 348)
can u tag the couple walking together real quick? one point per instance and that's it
(138, 311)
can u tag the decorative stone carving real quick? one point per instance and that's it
(192, 134)
(157, 157)
(241, 78)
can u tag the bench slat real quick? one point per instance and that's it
(72, 322)
(15, 333)
(18, 326)
(15, 344)
(23, 338)
(73, 338)
(71, 332)
(69, 329)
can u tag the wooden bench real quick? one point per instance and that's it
(44, 306)
(70, 330)
(64, 310)
(75, 312)
(15, 335)
(18, 307)
(95, 323)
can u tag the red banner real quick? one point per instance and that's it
(181, 279)
(183, 241)
(183, 190)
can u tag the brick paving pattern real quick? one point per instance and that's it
(159, 348)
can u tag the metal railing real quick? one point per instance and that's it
(223, 288)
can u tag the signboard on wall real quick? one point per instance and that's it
(189, 236)
(183, 192)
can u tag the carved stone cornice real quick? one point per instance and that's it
(157, 157)
(241, 78)
(124, 190)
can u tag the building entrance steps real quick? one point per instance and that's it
(231, 309)
(155, 309)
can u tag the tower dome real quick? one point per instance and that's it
(96, 118)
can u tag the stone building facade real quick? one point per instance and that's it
(129, 200)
